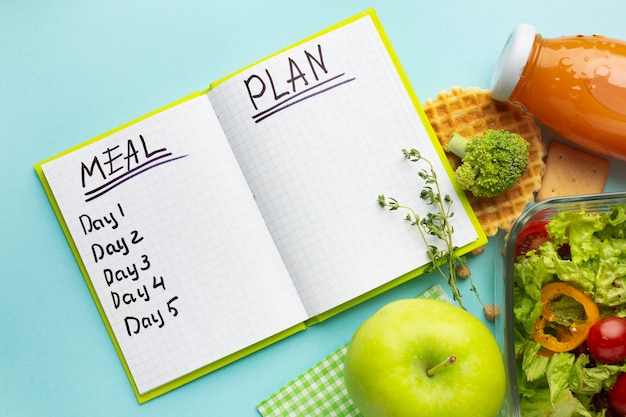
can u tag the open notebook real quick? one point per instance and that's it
(241, 214)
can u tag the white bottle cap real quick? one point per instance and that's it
(512, 61)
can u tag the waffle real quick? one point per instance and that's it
(471, 111)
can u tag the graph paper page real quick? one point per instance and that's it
(318, 131)
(173, 243)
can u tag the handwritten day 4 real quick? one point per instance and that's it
(139, 293)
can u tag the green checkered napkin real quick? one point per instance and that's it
(320, 391)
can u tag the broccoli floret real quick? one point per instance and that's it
(491, 162)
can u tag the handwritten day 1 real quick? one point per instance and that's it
(91, 224)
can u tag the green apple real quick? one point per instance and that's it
(426, 358)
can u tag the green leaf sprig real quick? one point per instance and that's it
(436, 223)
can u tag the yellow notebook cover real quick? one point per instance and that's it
(219, 93)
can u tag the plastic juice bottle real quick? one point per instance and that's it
(574, 85)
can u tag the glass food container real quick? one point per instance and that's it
(537, 212)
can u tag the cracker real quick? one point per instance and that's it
(571, 171)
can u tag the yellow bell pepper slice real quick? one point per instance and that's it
(567, 337)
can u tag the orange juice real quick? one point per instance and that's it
(574, 85)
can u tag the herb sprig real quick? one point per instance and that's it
(436, 223)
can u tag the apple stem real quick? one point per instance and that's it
(444, 364)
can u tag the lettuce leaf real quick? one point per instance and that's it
(598, 253)
(559, 374)
(577, 229)
(590, 380)
(534, 365)
(564, 405)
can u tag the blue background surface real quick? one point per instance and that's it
(71, 70)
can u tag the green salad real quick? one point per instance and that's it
(569, 304)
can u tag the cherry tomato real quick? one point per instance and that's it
(531, 237)
(607, 340)
(617, 395)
